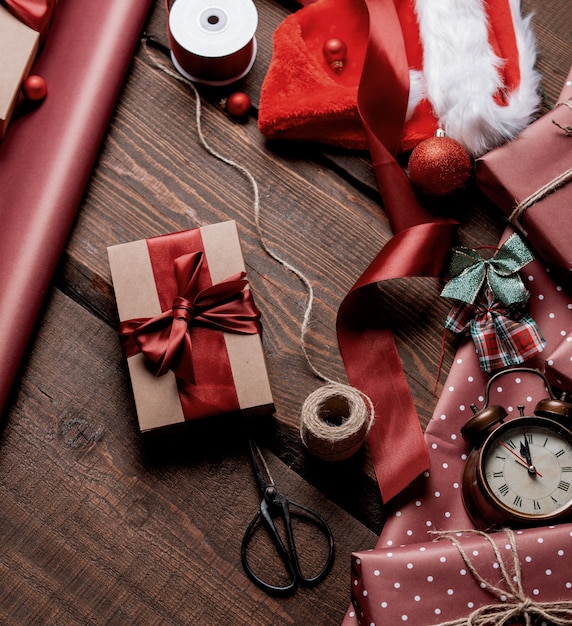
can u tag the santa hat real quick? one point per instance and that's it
(471, 73)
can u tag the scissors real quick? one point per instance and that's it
(273, 505)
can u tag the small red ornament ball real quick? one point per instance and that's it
(238, 104)
(334, 50)
(35, 88)
(439, 166)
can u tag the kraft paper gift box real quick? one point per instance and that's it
(538, 163)
(443, 581)
(18, 48)
(189, 327)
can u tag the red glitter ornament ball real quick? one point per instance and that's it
(35, 88)
(238, 104)
(439, 166)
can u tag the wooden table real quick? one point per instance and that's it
(99, 525)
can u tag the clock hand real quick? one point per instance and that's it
(525, 451)
(531, 469)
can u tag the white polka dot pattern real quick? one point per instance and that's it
(559, 363)
(432, 583)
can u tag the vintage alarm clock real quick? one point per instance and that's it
(519, 472)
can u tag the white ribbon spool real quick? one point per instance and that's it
(212, 41)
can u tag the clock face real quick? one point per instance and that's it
(527, 468)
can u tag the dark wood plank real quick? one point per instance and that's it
(101, 526)
(319, 210)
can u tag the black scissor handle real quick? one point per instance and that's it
(288, 556)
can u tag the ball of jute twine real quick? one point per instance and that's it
(335, 421)
(336, 418)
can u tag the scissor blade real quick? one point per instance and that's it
(261, 471)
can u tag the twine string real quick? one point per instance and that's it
(540, 194)
(328, 436)
(567, 128)
(551, 186)
(324, 433)
(514, 603)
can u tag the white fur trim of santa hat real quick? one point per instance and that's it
(460, 74)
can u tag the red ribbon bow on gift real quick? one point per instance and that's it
(33, 13)
(166, 338)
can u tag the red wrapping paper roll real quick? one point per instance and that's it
(47, 156)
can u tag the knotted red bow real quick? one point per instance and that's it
(166, 338)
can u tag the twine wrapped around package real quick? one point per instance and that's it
(551, 186)
(513, 601)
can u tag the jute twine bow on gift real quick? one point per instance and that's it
(514, 603)
(336, 418)
(551, 186)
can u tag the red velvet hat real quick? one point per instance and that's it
(471, 73)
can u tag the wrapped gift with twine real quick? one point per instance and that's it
(395, 573)
(468, 578)
(189, 327)
(530, 178)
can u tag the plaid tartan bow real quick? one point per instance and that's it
(502, 335)
(491, 305)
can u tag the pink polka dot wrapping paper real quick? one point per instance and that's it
(430, 583)
(434, 503)
(559, 364)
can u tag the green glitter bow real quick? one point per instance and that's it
(470, 272)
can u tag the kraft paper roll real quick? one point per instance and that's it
(212, 41)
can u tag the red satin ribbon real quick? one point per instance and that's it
(36, 14)
(166, 338)
(419, 247)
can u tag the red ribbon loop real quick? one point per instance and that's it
(419, 247)
(166, 338)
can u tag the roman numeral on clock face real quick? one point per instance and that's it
(503, 489)
(527, 469)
